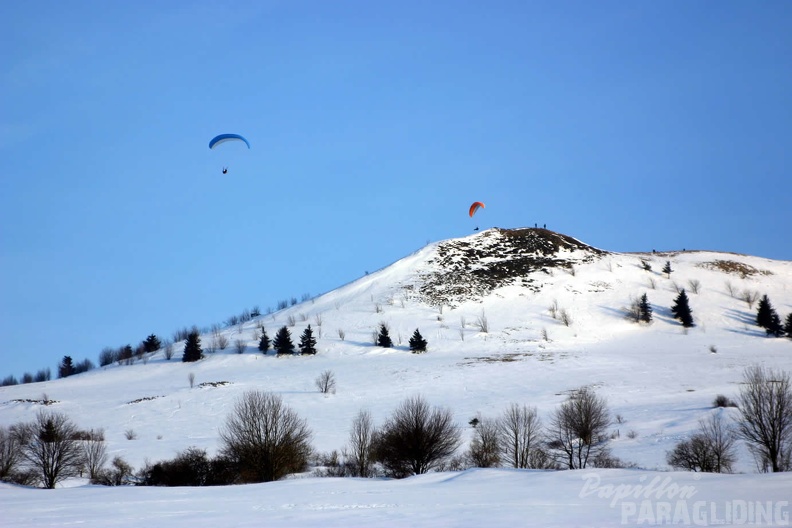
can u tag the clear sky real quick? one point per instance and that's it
(373, 126)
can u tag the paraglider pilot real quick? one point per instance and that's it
(225, 170)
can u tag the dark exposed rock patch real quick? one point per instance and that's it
(471, 268)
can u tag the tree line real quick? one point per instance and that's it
(264, 440)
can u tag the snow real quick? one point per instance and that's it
(659, 379)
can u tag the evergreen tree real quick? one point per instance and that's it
(775, 328)
(645, 309)
(307, 342)
(383, 339)
(667, 268)
(283, 343)
(152, 344)
(192, 348)
(788, 326)
(417, 342)
(66, 367)
(767, 317)
(264, 342)
(681, 310)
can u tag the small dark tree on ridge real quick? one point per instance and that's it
(192, 348)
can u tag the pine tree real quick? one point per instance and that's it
(767, 317)
(264, 342)
(66, 367)
(788, 326)
(775, 328)
(681, 310)
(192, 348)
(417, 343)
(383, 339)
(667, 268)
(283, 343)
(307, 342)
(645, 309)
(152, 344)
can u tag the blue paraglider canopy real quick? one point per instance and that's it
(223, 138)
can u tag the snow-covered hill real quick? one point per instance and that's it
(658, 379)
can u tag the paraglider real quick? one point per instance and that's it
(475, 207)
(225, 138)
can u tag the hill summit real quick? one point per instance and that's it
(471, 268)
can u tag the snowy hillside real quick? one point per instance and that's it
(659, 379)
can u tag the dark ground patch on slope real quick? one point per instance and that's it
(473, 267)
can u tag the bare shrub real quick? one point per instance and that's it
(723, 401)
(485, 447)
(265, 439)
(566, 319)
(94, 451)
(416, 438)
(545, 337)
(240, 346)
(341, 334)
(519, 432)
(481, 323)
(291, 320)
(578, 428)
(168, 350)
(107, 356)
(119, 474)
(765, 404)
(130, 434)
(462, 321)
(326, 382)
(191, 379)
(652, 283)
(361, 445)
(554, 309)
(731, 290)
(749, 297)
(710, 450)
(632, 434)
(50, 448)
(694, 285)
(222, 341)
(318, 320)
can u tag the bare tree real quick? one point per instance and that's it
(721, 439)
(519, 430)
(416, 438)
(578, 428)
(766, 406)
(50, 448)
(264, 438)
(710, 450)
(240, 346)
(361, 440)
(94, 453)
(326, 382)
(10, 446)
(485, 447)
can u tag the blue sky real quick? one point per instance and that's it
(373, 125)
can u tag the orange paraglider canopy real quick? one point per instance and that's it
(474, 208)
